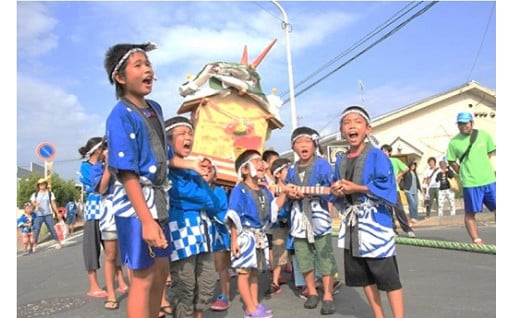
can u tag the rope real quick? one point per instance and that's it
(450, 245)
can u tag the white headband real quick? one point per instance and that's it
(149, 47)
(356, 111)
(179, 124)
(93, 149)
(281, 167)
(314, 137)
(248, 161)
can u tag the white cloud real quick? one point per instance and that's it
(34, 29)
(49, 114)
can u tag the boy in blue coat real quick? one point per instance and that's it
(365, 182)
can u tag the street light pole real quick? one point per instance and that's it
(287, 30)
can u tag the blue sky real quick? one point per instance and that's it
(63, 95)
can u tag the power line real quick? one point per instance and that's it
(366, 38)
(481, 43)
(393, 31)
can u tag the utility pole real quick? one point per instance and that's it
(287, 30)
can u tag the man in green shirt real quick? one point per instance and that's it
(472, 161)
(399, 168)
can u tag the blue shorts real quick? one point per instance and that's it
(476, 197)
(221, 238)
(70, 218)
(133, 249)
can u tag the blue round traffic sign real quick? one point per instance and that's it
(46, 151)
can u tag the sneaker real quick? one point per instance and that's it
(328, 307)
(312, 301)
(258, 314)
(336, 285)
(25, 253)
(220, 304)
(411, 234)
(264, 308)
(273, 289)
(303, 292)
(261, 312)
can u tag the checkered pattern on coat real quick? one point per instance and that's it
(192, 237)
(93, 207)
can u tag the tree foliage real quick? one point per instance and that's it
(64, 190)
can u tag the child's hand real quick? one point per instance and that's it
(153, 234)
(348, 187)
(288, 188)
(294, 193)
(235, 249)
(203, 166)
(344, 187)
(337, 188)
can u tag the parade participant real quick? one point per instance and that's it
(364, 180)
(251, 211)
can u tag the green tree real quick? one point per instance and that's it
(64, 190)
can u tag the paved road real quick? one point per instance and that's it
(437, 283)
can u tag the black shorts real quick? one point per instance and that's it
(363, 271)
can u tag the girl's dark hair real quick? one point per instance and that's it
(269, 153)
(90, 143)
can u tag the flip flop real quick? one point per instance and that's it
(111, 304)
(97, 294)
(122, 290)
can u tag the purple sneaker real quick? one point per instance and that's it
(260, 312)
(264, 309)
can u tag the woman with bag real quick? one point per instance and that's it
(410, 184)
(444, 188)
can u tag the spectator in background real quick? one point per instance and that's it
(25, 222)
(431, 186)
(411, 185)
(43, 201)
(445, 193)
(71, 209)
(469, 154)
(399, 168)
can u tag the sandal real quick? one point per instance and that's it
(122, 290)
(165, 310)
(111, 304)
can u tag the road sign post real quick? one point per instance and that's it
(46, 151)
